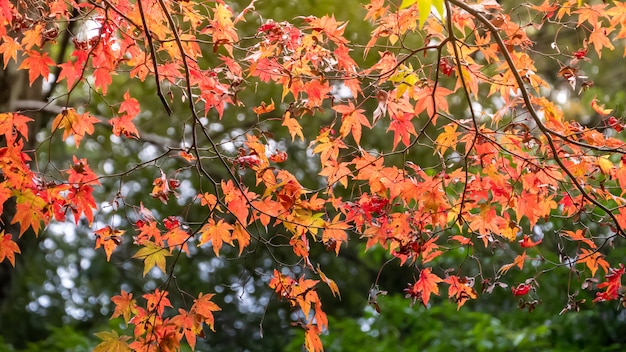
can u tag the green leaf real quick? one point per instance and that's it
(424, 10)
(407, 3)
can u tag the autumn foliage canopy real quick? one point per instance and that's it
(508, 160)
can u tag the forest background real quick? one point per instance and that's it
(57, 295)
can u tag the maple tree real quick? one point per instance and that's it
(455, 80)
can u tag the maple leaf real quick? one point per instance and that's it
(9, 50)
(590, 13)
(8, 248)
(579, 235)
(460, 290)
(112, 342)
(293, 126)
(217, 233)
(336, 172)
(32, 37)
(177, 237)
(352, 120)
(462, 239)
(125, 306)
(71, 72)
(331, 283)
(424, 287)
(130, 106)
(82, 201)
(613, 284)
(157, 301)
(29, 210)
(103, 79)
(599, 37)
(521, 289)
(518, 261)
(5, 194)
(241, 236)
(527, 242)
(312, 341)
(447, 139)
(152, 255)
(109, 239)
(264, 108)
(205, 308)
(74, 124)
(190, 324)
(335, 234)
(80, 174)
(593, 259)
(123, 125)
(431, 101)
(37, 65)
(600, 109)
(329, 25)
(13, 125)
(403, 129)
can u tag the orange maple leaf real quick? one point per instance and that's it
(13, 126)
(74, 124)
(460, 290)
(205, 308)
(293, 126)
(352, 120)
(8, 248)
(518, 261)
(217, 233)
(29, 210)
(9, 49)
(189, 324)
(37, 65)
(177, 237)
(431, 101)
(157, 301)
(109, 239)
(593, 259)
(241, 236)
(125, 306)
(579, 235)
(424, 286)
(123, 125)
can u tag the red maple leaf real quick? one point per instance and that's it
(71, 72)
(612, 284)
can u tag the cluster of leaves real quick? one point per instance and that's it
(501, 172)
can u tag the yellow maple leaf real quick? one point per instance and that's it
(448, 139)
(152, 255)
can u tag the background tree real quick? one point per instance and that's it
(437, 149)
